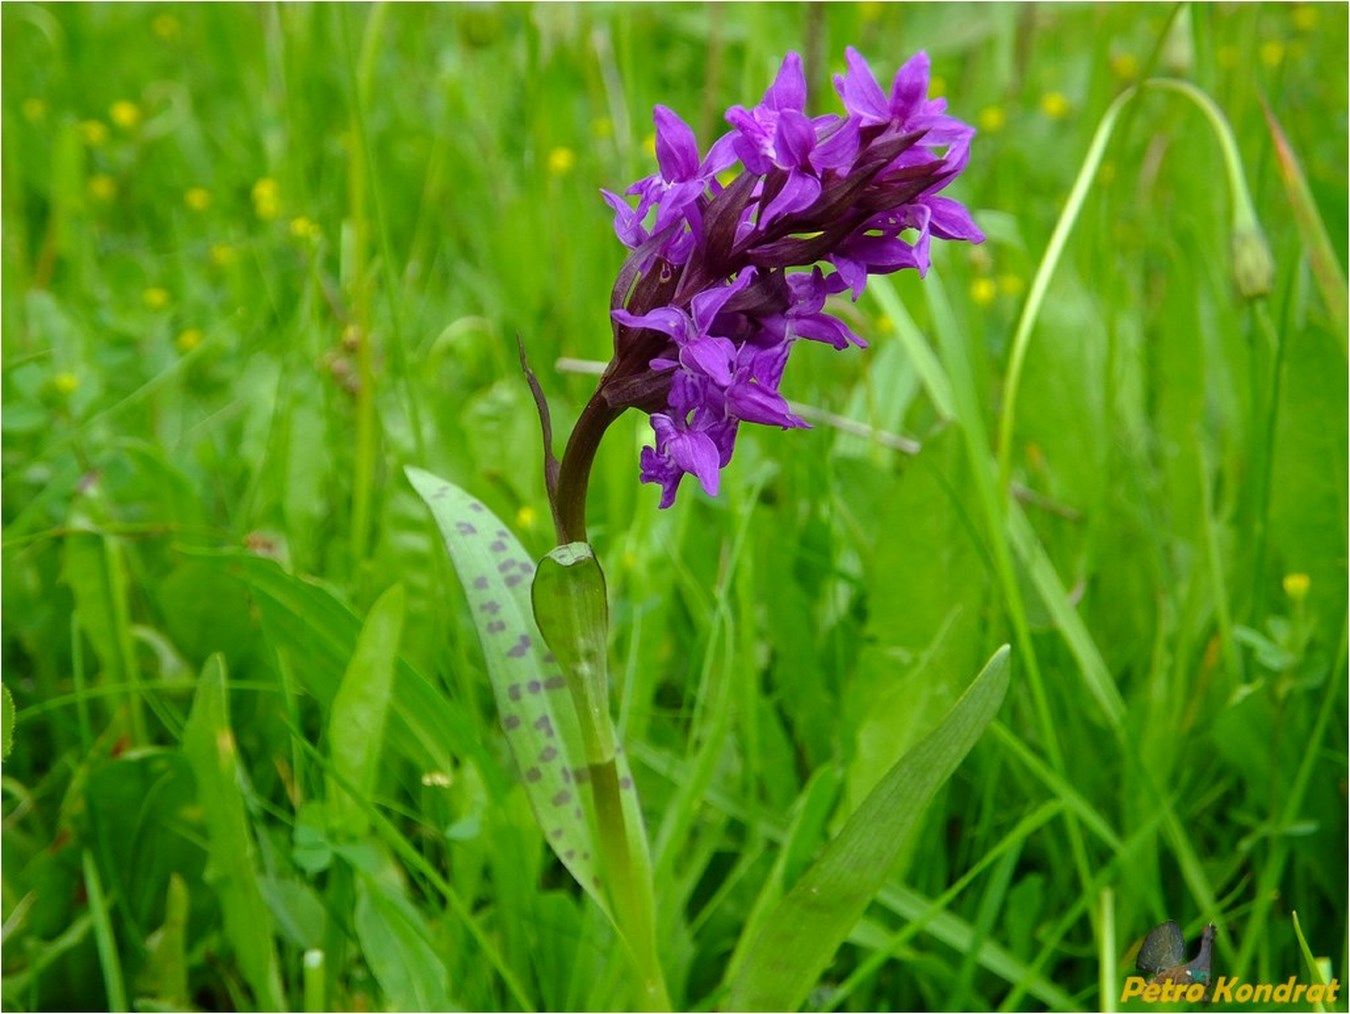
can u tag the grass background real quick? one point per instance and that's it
(257, 259)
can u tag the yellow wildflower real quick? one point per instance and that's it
(649, 145)
(1272, 53)
(1296, 586)
(305, 228)
(222, 255)
(189, 339)
(1055, 105)
(885, 325)
(983, 291)
(155, 298)
(1010, 284)
(1125, 66)
(870, 10)
(937, 86)
(561, 160)
(94, 133)
(197, 198)
(992, 119)
(602, 126)
(34, 110)
(166, 26)
(126, 115)
(65, 383)
(1227, 56)
(102, 187)
(526, 517)
(1305, 17)
(266, 198)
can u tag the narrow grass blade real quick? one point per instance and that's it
(1091, 665)
(108, 958)
(800, 938)
(6, 722)
(1326, 268)
(536, 710)
(925, 363)
(356, 721)
(164, 977)
(319, 634)
(394, 940)
(1314, 966)
(208, 744)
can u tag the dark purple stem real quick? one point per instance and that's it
(574, 474)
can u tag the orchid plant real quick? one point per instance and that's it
(735, 255)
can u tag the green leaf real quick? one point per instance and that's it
(394, 940)
(164, 977)
(318, 632)
(570, 607)
(798, 940)
(356, 721)
(208, 743)
(1315, 973)
(537, 712)
(6, 722)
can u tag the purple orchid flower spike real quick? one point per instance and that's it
(723, 280)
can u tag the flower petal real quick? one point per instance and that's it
(756, 403)
(676, 147)
(837, 150)
(910, 87)
(862, 95)
(951, 220)
(788, 90)
(794, 139)
(711, 356)
(665, 319)
(798, 193)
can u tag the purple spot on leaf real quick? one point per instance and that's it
(570, 854)
(625, 782)
(474, 505)
(491, 608)
(506, 566)
(480, 583)
(554, 683)
(534, 686)
(548, 658)
(512, 580)
(498, 546)
(545, 726)
(511, 722)
(556, 833)
(562, 797)
(519, 649)
(464, 528)
(496, 626)
(547, 754)
(583, 775)
(533, 775)
(513, 691)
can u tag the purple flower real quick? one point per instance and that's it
(674, 191)
(726, 279)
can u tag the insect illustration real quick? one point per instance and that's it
(1162, 956)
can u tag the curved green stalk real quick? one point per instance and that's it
(1252, 264)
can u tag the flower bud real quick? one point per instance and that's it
(1253, 267)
